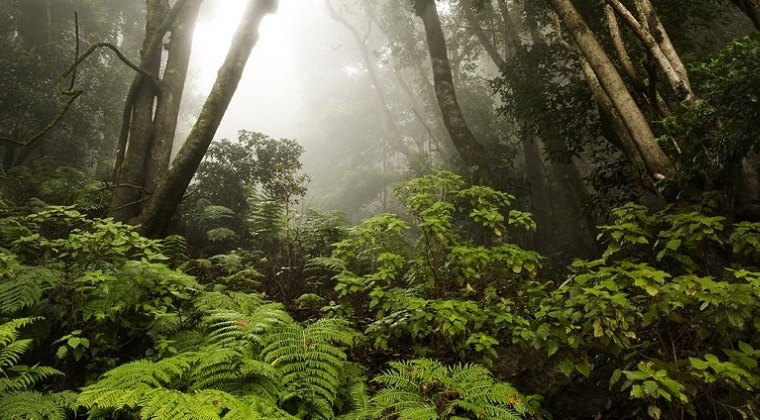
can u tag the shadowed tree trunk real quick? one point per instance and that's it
(169, 192)
(751, 8)
(152, 105)
(572, 193)
(464, 140)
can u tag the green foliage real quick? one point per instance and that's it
(426, 283)
(242, 192)
(46, 183)
(98, 283)
(310, 362)
(17, 380)
(656, 310)
(426, 389)
(22, 286)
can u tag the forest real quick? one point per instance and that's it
(379, 209)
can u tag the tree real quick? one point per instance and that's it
(147, 134)
(148, 139)
(614, 92)
(38, 42)
(464, 140)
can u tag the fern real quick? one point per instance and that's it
(221, 234)
(238, 319)
(16, 398)
(426, 389)
(360, 402)
(35, 405)
(21, 286)
(193, 385)
(266, 216)
(310, 362)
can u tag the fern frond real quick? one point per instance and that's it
(310, 360)
(334, 265)
(26, 378)
(221, 234)
(410, 386)
(168, 404)
(242, 302)
(34, 405)
(214, 214)
(21, 286)
(216, 369)
(9, 330)
(418, 413)
(229, 406)
(266, 216)
(141, 374)
(360, 403)
(235, 327)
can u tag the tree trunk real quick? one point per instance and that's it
(464, 140)
(170, 190)
(751, 8)
(129, 191)
(652, 34)
(170, 95)
(539, 187)
(657, 163)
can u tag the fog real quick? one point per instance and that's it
(307, 80)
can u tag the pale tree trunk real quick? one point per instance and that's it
(652, 34)
(657, 163)
(435, 129)
(138, 126)
(464, 140)
(170, 190)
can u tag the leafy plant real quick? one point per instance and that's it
(426, 389)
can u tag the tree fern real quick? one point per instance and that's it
(310, 361)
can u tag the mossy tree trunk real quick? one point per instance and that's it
(464, 140)
(152, 105)
(162, 204)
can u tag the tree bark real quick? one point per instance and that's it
(170, 94)
(170, 190)
(751, 8)
(130, 179)
(657, 163)
(652, 34)
(464, 140)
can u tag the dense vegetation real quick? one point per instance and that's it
(432, 313)
(546, 212)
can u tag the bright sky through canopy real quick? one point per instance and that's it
(267, 99)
